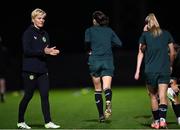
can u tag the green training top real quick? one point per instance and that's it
(101, 39)
(157, 59)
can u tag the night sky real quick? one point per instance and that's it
(67, 20)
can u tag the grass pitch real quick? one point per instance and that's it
(76, 109)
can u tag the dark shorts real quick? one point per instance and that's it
(101, 67)
(154, 79)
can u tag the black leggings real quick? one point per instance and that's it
(30, 82)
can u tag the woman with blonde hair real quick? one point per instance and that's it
(156, 47)
(36, 48)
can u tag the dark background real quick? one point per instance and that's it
(66, 22)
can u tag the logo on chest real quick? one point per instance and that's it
(44, 39)
(35, 37)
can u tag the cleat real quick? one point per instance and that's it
(163, 124)
(108, 111)
(155, 125)
(23, 125)
(101, 119)
(171, 94)
(51, 125)
(178, 120)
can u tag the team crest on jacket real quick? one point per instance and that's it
(35, 37)
(31, 77)
(44, 39)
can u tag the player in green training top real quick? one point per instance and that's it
(99, 40)
(156, 46)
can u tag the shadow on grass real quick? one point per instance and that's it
(143, 116)
(144, 120)
(37, 125)
(172, 123)
(95, 120)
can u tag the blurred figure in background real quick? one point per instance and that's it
(3, 69)
(156, 47)
(36, 48)
(99, 40)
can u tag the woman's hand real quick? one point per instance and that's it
(51, 51)
(136, 76)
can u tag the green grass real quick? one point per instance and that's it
(76, 109)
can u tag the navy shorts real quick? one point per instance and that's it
(154, 79)
(101, 67)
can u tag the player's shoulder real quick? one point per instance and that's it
(88, 29)
(166, 32)
(145, 33)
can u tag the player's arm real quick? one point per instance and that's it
(53, 51)
(115, 40)
(87, 42)
(88, 47)
(139, 60)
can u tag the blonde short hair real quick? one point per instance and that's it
(36, 12)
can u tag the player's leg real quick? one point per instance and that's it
(98, 96)
(175, 98)
(95, 68)
(43, 84)
(153, 94)
(163, 104)
(176, 108)
(107, 74)
(2, 89)
(108, 95)
(29, 84)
